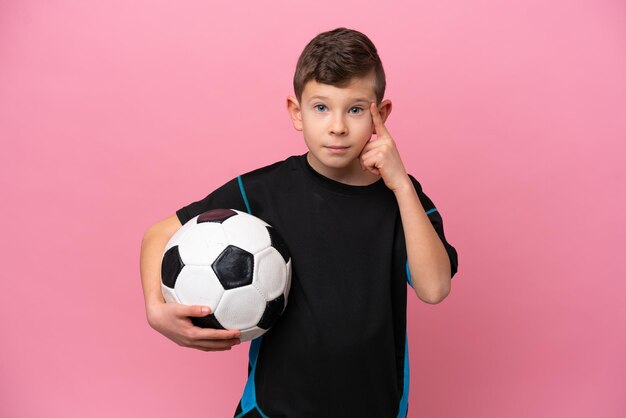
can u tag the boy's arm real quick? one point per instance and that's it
(171, 319)
(428, 259)
(152, 246)
(429, 263)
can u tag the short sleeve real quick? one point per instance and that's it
(228, 196)
(437, 221)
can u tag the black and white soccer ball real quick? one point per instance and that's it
(233, 262)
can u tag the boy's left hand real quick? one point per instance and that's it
(381, 157)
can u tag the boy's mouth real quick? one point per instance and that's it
(337, 149)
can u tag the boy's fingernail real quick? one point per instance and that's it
(205, 310)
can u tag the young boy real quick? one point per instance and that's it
(358, 228)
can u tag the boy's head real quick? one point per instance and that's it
(335, 58)
(338, 76)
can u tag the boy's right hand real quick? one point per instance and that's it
(172, 320)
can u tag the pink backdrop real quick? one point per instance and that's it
(511, 114)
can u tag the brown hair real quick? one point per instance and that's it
(335, 57)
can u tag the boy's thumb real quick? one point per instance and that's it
(199, 311)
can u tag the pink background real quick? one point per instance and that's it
(512, 115)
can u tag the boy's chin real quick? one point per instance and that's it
(338, 163)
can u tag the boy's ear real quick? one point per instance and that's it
(385, 109)
(293, 107)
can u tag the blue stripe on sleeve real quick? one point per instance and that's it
(243, 194)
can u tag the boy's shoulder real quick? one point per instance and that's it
(275, 175)
(290, 163)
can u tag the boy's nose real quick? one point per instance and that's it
(338, 126)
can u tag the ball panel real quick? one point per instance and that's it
(240, 308)
(200, 245)
(247, 215)
(175, 239)
(234, 267)
(171, 265)
(278, 243)
(246, 232)
(168, 294)
(270, 274)
(249, 334)
(273, 310)
(197, 285)
(216, 215)
(208, 321)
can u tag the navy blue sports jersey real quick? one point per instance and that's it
(340, 348)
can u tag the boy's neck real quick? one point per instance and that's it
(351, 175)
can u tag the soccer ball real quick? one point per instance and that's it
(233, 262)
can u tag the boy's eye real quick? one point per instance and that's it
(354, 110)
(358, 109)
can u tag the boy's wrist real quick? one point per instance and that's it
(404, 187)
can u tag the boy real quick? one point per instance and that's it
(357, 226)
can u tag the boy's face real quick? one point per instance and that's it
(337, 124)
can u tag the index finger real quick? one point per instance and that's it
(378, 121)
(217, 334)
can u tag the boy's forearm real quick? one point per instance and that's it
(152, 247)
(428, 260)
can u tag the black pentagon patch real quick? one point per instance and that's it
(278, 243)
(272, 312)
(209, 321)
(171, 266)
(216, 215)
(234, 267)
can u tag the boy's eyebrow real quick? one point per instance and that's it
(357, 99)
